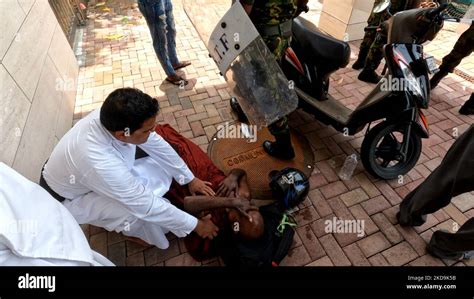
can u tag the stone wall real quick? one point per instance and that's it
(38, 75)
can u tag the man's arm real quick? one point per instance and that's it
(302, 7)
(428, 4)
(162, 152)
(196, 204)
(231, 183)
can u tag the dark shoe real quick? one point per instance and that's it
(414, 221)
(468, 107)
(433, 249)
(281, 148)
(437, 78)
(274, 150)
(369, 76)
(360, 62)
(181, 65)
(235, 106)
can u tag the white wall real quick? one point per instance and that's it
(38, 76)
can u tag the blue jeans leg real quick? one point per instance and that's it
(171, 33)
(156, 17)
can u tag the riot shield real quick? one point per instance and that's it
(244, 60)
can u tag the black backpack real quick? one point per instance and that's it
(266, 251)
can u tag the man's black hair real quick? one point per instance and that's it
(127, 108)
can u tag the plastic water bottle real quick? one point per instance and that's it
(348, 168)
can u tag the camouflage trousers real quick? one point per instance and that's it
(463, 47)
(370, 34)
(278, 45)
(373, 41)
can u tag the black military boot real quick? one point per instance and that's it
(468, 107)
(369, 76)
(437, 78)
(360, 62)
(235, 106)
(281, 148)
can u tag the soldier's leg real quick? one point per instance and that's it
(281, 148)
(373, 60)
(277, 46)
(453, 246)
(463, 48)
(452, 177)
(369, 37)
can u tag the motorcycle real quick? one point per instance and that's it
(393, 146)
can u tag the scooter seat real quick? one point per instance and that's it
(321, 48)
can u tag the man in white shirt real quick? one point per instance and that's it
(36, 230)
(93, 168)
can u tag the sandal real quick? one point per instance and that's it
(177, 80)
(181, 65)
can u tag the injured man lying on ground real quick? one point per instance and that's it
(118, 170)
(36, 230)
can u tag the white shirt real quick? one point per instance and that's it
(89, 158)
(36, 230)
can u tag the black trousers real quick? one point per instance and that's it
(42, 183)
(463, 48)
(454, 176)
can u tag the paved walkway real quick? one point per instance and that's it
(119, 53)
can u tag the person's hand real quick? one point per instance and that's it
(198, 186)
(302, 3)
(302, 6)
(227, 186)
(243, 206)
(428, 4)
(206, 228)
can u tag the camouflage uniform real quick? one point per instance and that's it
(371, 51)
(373, 43)
(273, 12)
(370, 34)
(270, 13)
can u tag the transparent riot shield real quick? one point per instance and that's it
(242, 57)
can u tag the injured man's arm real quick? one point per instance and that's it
(239, 210)
(233, 193)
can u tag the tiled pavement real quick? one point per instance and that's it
(113, 61)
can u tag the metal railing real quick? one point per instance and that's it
(69, 14)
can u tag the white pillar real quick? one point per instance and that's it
(345, 19)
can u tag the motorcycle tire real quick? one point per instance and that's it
(381, 145)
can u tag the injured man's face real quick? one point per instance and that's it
(241, 224)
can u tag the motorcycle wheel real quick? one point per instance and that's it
(380, 151)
